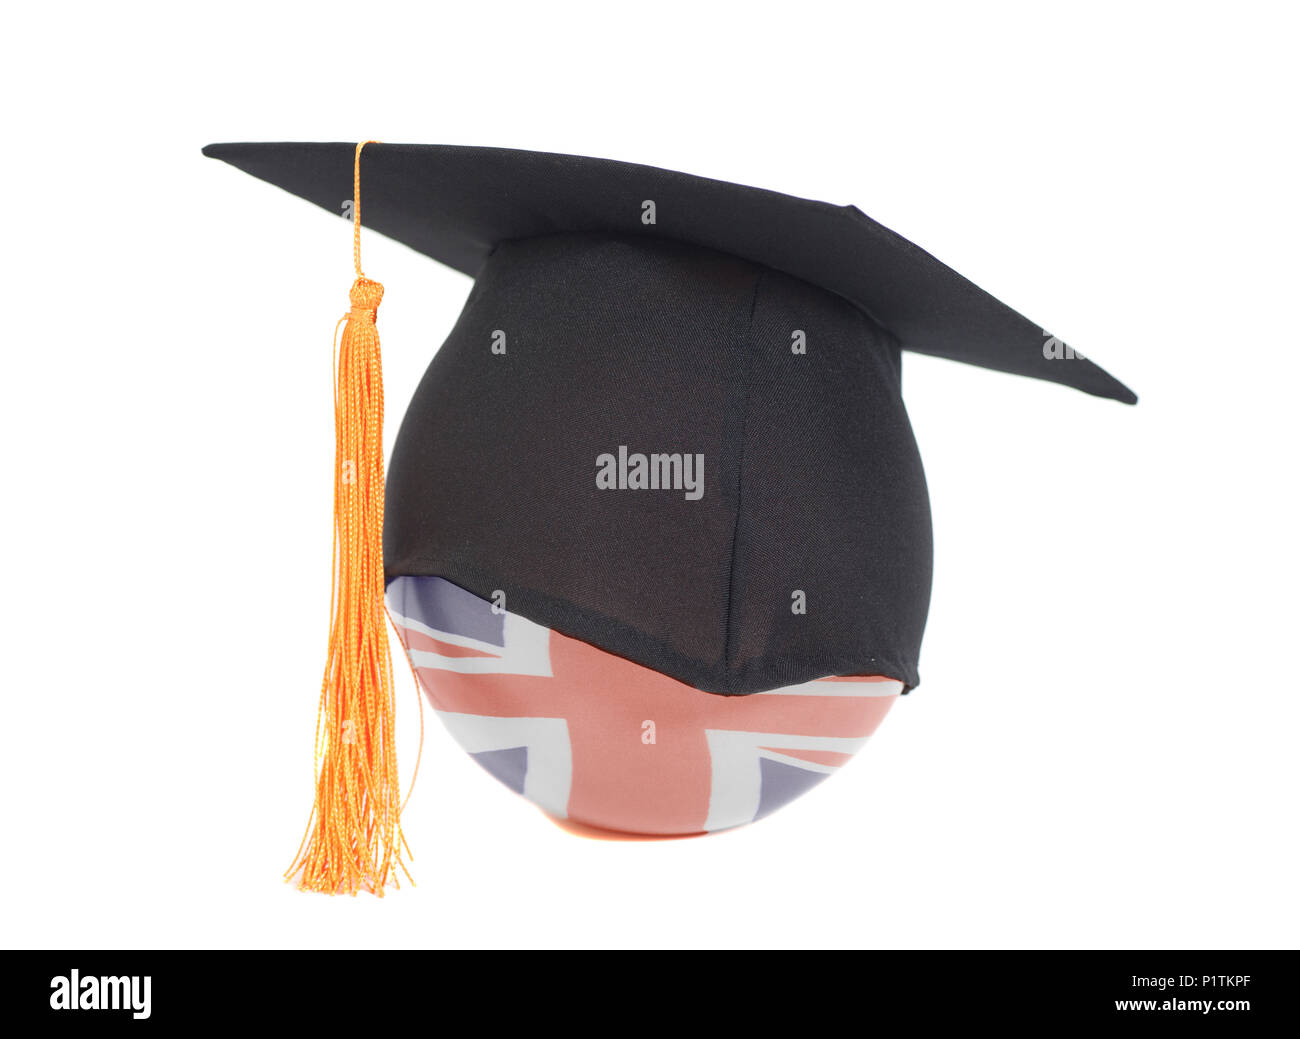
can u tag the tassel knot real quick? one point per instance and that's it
(365, 295)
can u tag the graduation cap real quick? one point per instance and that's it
(655, 534)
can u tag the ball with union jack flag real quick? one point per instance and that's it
(594, 738)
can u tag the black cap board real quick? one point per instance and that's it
(456, 204)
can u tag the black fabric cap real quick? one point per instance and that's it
(456, 203)
(812, 483)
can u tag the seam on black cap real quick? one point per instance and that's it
(747, 346)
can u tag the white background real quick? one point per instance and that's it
(1103, 750)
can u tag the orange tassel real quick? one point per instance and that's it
(354, 837)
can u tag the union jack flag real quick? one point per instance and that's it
(596, 738)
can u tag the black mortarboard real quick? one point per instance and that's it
(457, 204)
(668, 422)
